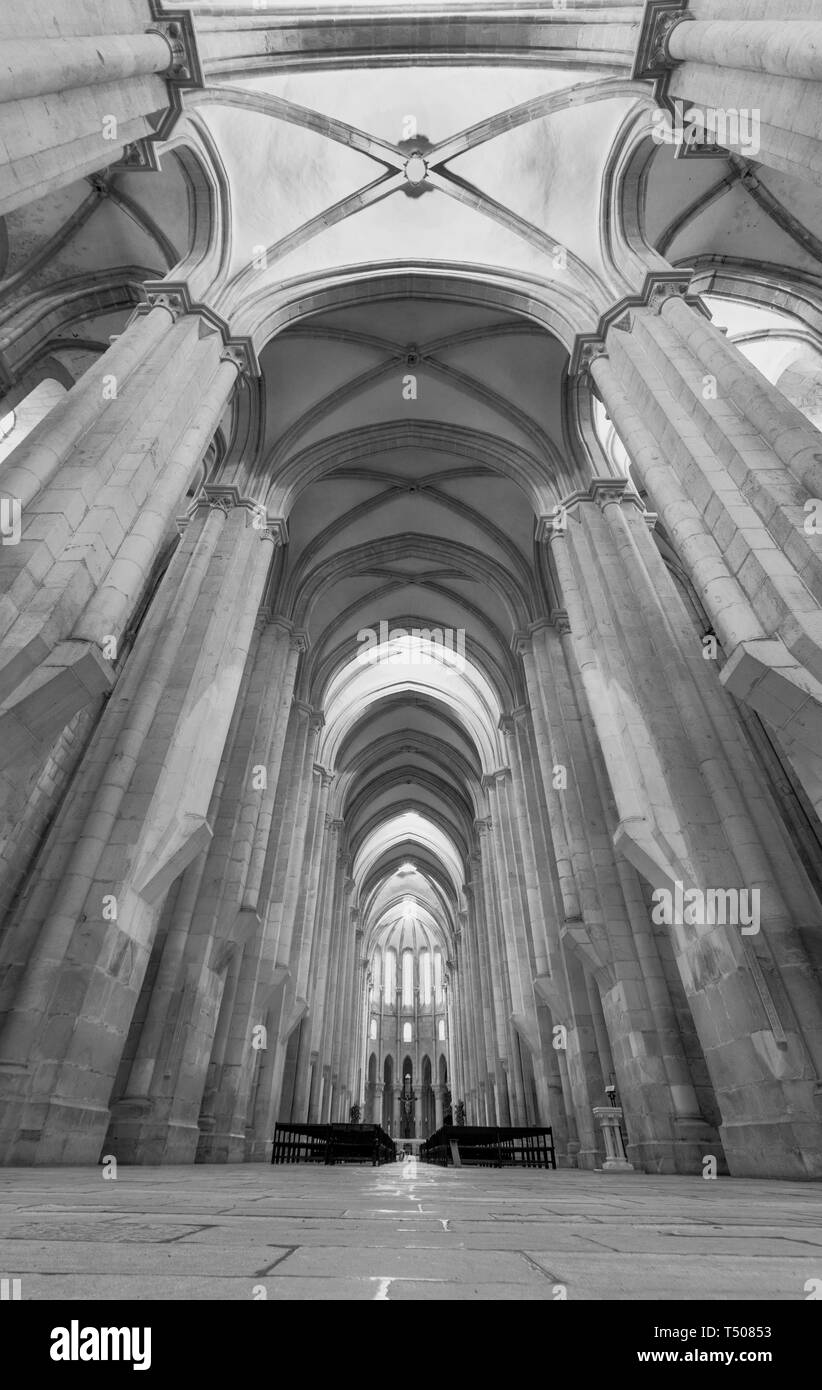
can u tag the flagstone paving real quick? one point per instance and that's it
(403, 1232)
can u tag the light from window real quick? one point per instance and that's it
(406, 1032)
(425, 970)
(438, 975)
(376, 970)
(441, 1030)
(407, 979)
(373, 1028)
(390, 977)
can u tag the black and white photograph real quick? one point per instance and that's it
(411, 677)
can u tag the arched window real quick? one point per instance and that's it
(407, 979)
(390, 977)
(425, 971)
(406, 1032)
(373, 1028)
(376, 970)
(441, 1030)
(438, 976)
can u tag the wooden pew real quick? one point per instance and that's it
(333, 1143)
(492, 1146)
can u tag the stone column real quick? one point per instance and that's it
(324, 1021)
(756, 80)
(544, 913)
(234, 919)
(692, 816)
(460, 1077)
(342, 927)
(482, 992)
(303, 947)
(376, 1103)
(363, 1013)
(320, 970)
(191, 987)
(36, 67)
(471, 997)
(783, 48)
(108, 92)
(276, 903)
(305, 914)
(587, 887)
(341, 990)
(517, 881)
(136, 816)
(438, 1089)
(99, 482)
(729, 464)
(492, 966)
(286, 888)
(349, 1040)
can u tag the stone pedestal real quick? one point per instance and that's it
(609, 1117)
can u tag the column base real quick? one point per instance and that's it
(220, 1146)
(137, 1135)
(52, 1132)
(586, 1159)
(258, 1150)
(774, 1150)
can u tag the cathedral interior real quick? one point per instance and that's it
(411, 578)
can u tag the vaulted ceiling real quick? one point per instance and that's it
(412, 418)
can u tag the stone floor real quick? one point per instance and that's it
(405, 1231)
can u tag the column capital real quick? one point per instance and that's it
(281, 621)
(177, 28)
(139, 157)
(603, 492)
(522, 641)
(303, 708)
(652, 58)
(225, 497)
(491, 779)
(175, 296)
(659, 285)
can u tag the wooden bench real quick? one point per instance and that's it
(491, 1146)
(337, 1143)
